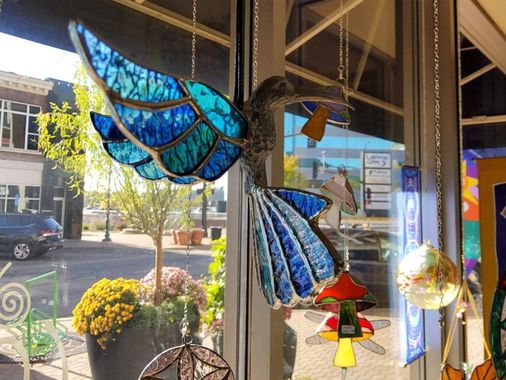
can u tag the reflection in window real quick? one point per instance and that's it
(18, 128)
(16, 198)
(375, 137)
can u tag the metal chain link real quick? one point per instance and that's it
(347, 54)
(340, 67)
(185, 323)
(256, 22)
(461, 149)
(194, 38)
(439, 177)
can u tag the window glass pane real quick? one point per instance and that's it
(376, 136)
(81, 264)
(18, 125)
(59, 192)
(6, 131)
(32, 205)
(34, 109)
(3, 190)
(2, 205)
(32, 191)
(33, 142)
(32, 125)
(13, 106)
(12, 205)
(12, 191)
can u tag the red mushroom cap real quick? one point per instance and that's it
(347, 288)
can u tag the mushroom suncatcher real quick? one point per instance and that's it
(328, 331)
(322, 113)
(338, 189)
(346, 298)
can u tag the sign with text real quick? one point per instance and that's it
(378, 160)
(377, 175)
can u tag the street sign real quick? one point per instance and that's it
(377, 176)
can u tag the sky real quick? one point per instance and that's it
(41, 61)
(36, 60)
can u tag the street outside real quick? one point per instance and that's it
(81, 263)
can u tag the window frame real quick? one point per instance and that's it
(27, 114)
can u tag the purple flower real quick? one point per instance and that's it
(173, 284)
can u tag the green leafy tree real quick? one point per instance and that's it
(293, 176)
(67, 137)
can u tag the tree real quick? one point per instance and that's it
(68, 138)
(293, 176)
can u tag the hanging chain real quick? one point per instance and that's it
(185, 323)
(347, 56)
(340, 67)
(437, 129)
(187, 213)
(439, 180)
(194, 38)
(256, 22)
(461, 147)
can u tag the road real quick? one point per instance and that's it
(81, 263)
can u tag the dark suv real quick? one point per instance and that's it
(27, 235)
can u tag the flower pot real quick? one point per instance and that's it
(182, 237)
(197, 234)
(174, 236)
(133, 349)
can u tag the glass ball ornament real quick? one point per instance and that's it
(428, 278)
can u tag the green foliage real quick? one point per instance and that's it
(68, 138)
(168, 313)
(66, 135)
(99, 225)
(293, 176)
(214, 285)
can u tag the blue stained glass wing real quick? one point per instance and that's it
(106, 127)
(190, 130)
(293, 257)
(150, 170)
(159, 128)
(121, 75)
(126, 152)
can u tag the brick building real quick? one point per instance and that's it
(28, 181)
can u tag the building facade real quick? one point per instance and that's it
(28, 181)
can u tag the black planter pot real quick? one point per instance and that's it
(133, 349)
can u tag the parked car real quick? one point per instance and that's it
(25, 236)
(373, 259)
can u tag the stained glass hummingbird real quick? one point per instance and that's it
(186, 132)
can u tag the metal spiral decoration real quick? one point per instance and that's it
(15, 302)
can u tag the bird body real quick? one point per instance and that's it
(185, 131)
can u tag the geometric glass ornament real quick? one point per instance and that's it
(497, 331)
(188, 362)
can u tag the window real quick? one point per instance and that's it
(16, 198)
(18, 128)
